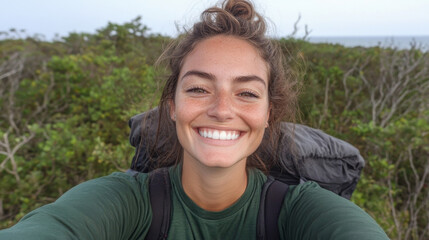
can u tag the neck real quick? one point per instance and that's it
(214, 189)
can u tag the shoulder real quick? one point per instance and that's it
(117, 182)
(309, 197)
(311, 212)
(306, 192)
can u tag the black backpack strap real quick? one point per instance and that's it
(160, 200)
(272, 196)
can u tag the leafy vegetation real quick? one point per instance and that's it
(65, 106)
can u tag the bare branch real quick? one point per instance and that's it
(325, 104)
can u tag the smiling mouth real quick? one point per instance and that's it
(218, 134)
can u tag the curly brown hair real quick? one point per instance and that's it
(239, 19)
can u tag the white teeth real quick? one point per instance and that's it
(219, 135)
(229, 136)
(216, 134)
(222, 135)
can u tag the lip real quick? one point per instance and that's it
(220, 128)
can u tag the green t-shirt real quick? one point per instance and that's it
(118, 207)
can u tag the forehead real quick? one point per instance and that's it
(225, 56)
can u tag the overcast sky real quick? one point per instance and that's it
(324, 17)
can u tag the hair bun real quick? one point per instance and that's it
(240, 9)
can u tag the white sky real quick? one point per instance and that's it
(324, 17)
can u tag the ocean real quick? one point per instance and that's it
(400, 42)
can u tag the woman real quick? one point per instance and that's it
(227, 87)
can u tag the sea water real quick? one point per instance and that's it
(399, 42)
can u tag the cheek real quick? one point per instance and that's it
(189, 110)
(257, 115)
(187, 107)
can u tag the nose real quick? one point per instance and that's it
(221, 107)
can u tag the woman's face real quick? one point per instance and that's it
(221, 105)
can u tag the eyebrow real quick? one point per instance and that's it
(212, 77)
(250, 78)
(199, 74)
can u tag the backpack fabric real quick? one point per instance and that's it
(302, 154)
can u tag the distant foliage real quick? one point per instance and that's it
(65, 106)
(377, 100)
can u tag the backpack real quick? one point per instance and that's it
(302, 153)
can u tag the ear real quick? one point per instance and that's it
(172, 109)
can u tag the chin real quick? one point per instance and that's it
(222, 161)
